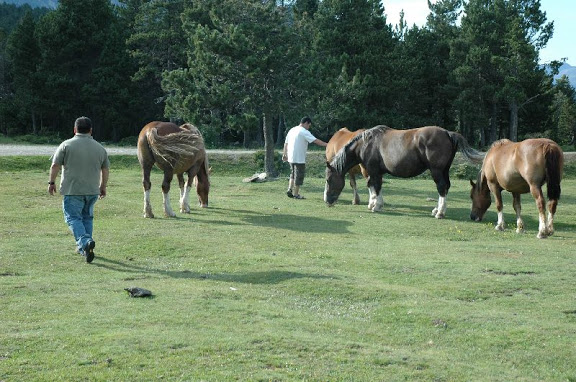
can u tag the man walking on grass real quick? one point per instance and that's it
(85, 173)
(295, 148)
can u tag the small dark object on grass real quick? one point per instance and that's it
(138, 292)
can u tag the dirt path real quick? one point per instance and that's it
(11, 150)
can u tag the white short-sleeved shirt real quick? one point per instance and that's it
(297, 141)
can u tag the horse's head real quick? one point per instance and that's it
(481, 200)
(334, 184)
(202, 180)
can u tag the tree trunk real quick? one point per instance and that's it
(269, 146)
(34, 125)
(280, 131)
(494, 123)
(513, 121)
(246, 139)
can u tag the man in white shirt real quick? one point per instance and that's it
(295, 148)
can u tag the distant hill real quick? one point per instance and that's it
(568, 71)
(38, 3)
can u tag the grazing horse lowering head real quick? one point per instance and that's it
(339, 140)
(334, 184)
(481, 200)
(401, 153)
(520, 168)
(345, 159)
(176, 150)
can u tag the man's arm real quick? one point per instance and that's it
(54, 170)
(320, 142)
(104, 181)
(285, 152)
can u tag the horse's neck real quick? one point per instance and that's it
(482, 180)
(352, 159)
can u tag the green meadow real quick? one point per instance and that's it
(260, 287)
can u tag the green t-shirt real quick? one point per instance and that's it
(82, 159)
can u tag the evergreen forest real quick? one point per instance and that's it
(245, 71)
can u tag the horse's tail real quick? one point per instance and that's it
(460, 143)
(168, 148)
(554, 167)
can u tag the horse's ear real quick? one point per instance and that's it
(472, 183)
(328, 164)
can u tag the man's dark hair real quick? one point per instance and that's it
(306, 120)
(83, 125)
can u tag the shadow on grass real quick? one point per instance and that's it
(301, 223)
(263, 277)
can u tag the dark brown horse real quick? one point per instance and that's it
(175, 150)
(520, 168)
(403, 153)
(338, 140)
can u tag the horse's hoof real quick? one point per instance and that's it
(150, 216)
(435, 212)
(499, 228)
(520, 230)
(542, 235)
(439, 216)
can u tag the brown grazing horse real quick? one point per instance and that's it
(175, 150)
(338, 140)
(402, 153)
(520, 168)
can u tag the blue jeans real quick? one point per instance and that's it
(79, 215)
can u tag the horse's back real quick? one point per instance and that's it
(407, 153)
(156, 144)
(338, 140)
(144, 152)
(516, 165)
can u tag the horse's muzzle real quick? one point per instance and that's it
(330, 200)
(475, 217)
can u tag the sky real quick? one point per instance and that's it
(562, 12)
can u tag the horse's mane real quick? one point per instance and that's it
(500, 142)
(340, 159)
(187, 142)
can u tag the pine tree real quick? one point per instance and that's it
(498, 51)
(23, 56)
(238, 68)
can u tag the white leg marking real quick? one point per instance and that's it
(519, 224)
(185, 200)
(147, 207)
(542, 228)
(500, 223)
(379, 203)
(440, 211)
(168, 212)
(372, 199)
(550, 223)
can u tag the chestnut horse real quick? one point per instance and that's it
(403, 153)
(520, 168)
(339, 139)
(175, 150)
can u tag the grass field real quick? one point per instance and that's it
(260, 287)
